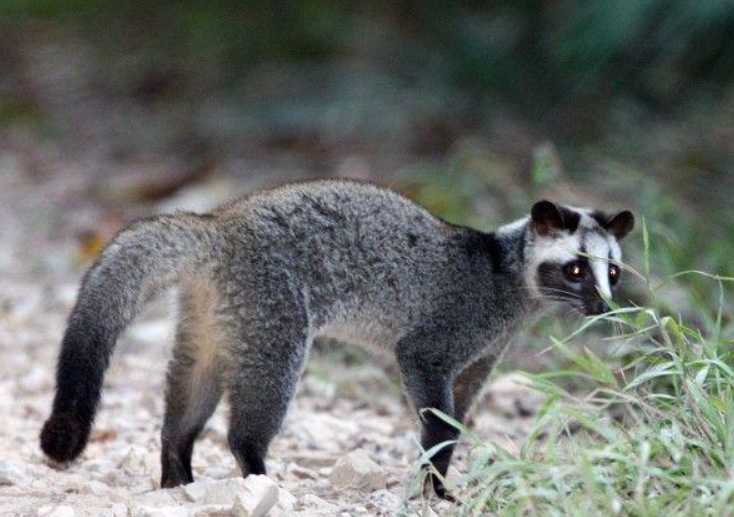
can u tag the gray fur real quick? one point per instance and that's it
(265, 275)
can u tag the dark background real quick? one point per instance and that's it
(474, 109)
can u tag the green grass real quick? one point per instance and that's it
(651, 433)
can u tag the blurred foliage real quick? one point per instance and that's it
(462, 94)
(537, 53)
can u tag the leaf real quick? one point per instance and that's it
(659, 370)
(641, 319)
(646, 249)
(708, 410)
(600, 370)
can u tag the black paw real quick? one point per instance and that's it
(172, 480)
(434, 484)
(441, 492)
(174, 473)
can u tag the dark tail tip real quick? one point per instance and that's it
(63, 437)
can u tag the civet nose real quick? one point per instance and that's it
(601, 307)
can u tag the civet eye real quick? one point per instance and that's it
(614, 274)
(575, 271)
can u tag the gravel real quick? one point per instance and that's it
(356, 470)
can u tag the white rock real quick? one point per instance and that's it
(195, 491)
(11, 474)
(222, 491)
(57, 511)
(286, 500)
(119, 510)
(253, 507)
(357, 470)
(314, 501)
(97, 487)
(167, 511)
(260, 495)
(251, 494)
(157, 498)
(212, 510)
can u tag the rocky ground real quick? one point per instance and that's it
(348, 446)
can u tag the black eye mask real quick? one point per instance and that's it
(575, 283)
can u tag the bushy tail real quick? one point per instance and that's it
(142, 259)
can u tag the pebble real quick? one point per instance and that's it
(245, 506)
(195, 491)
(384, 499)
(57, 511)
(250, 494)
(120, 510)
(157, 498)
(97, 487)
(221, 491)
(356, 470)
(311, 500)
(11, 474)
(168, 511)
(212, 510)
(295, 471)
(249, 497)
(286, 500)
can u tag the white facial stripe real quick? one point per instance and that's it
(616, 250)
(561, 249)
(598, 248)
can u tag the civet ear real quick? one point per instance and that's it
(621, 224)
(549, 218)
(546, 217)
